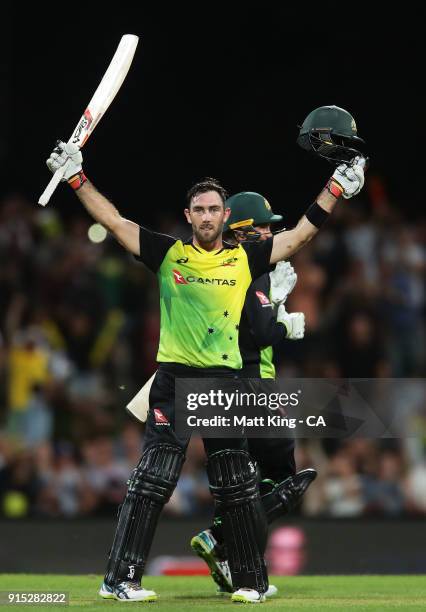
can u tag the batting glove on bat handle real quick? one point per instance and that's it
(65, 162)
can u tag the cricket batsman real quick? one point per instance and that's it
(201, 300)
(264, 323)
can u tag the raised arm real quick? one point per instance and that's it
(98, 206)
(105, 213)
(346, 181)
(289, 242)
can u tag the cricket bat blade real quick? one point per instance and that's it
(101, 99)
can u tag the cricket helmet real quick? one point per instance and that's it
(249, 209)
(331, 133)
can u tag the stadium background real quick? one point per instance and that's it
(219, 94)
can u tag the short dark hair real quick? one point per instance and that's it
(206, 184)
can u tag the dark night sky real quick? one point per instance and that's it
(215, 92)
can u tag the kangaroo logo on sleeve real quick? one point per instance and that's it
(263, 299)
(160, 419)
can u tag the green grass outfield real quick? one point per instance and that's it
(182, 594)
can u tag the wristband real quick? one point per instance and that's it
(316, 215)
(334, 188)
(77, 180)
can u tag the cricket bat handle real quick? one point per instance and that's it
(54, 182)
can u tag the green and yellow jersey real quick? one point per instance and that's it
(202, 294)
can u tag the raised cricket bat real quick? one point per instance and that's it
(102, 98)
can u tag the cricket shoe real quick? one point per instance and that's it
(272, 590)
(247, 596)
(127, 591)
(292, 489)
(206, 546)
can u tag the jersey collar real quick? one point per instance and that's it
(226, 246)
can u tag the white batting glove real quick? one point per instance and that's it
(65, 154)
(283, 280)
(350, 178)
(294, 323)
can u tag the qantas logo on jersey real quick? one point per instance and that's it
(263, 299)
(160, 419)
(181, 280)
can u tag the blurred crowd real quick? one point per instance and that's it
(79, 327)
